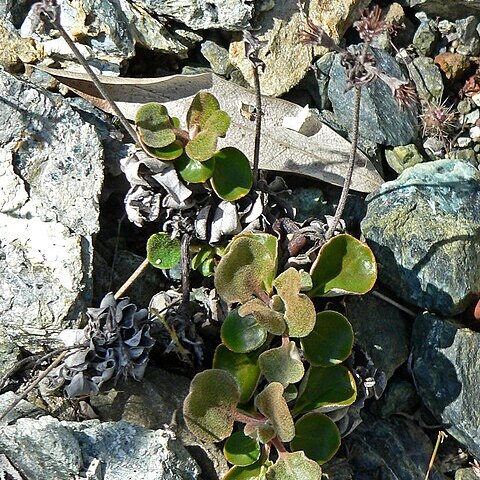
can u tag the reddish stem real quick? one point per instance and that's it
(278, 445)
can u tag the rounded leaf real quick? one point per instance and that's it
(266, 317)
(193, 171)
(232, 178)
(154, 125)
(210, 412)
(242, 334)
(261, 432)
(203, 146)
(327, 388)
(317, 436)
(331, 340)
(243, 367)
(290, 393)
(294, 466)
(239, 449)
(162, 251)
(218, 123)
(344, 265)
(201, 108)
(170, 152)
(256, 471)
(282, 364)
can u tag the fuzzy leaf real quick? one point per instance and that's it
(242, 334)
(154, 125)
(268, 318)
(243, 367)
(193, 171)
(241, 270)
(344, 265)
(282, 364)
(204, 262)
(202, 107)
(239, 449)
(203, 146)
(299, 309)
(331, 340)
(218, 123)
(210, 412)
(262, 433)
(273, 405)
(256, 471)
(317, 436)
(162, 251)
(290, 393)
(169, 152)
(232, 178)
(294, 466)
(326, 388)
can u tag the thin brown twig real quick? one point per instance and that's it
(441, 436)
(394, 303)
(141, 268)
(258, 123)
(185, 259)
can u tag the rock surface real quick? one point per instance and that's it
(445, 368)
(286, 59)
(51, 177)
(427, 78)
(450, 10)
(424, 231)
(403, 157)
(381, 119)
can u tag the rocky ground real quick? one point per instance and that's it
(65, 240)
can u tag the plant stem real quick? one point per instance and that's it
(351, 165)
(394, 303)
(131, 279)
(185, 259)
(258, 123)
(440, 438)
(278, 445)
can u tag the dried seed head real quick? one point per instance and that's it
(371, 24)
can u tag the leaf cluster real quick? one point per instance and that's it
(194, 149)
(281, 389)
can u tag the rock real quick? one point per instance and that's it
(337, 469)
(466, 474)
(453, 65)
(425, 38)
(394, 15)
(390, 449)
(381, 119)
(202, 15)
(475, 133)
(286, 59)
(402, 157)
(322, 73)
(23, 409)
(445, 368)
(45, 448)
(400, 396)
(9, 355)
(424, 231)
(52, 173)
(218, 57)
(15, 50)
(428, 79)
(451, 10)
(381, 330)
(468, 36)
(309, 202)
(464, 106)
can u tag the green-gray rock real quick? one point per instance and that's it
(427, 78)
(466, 474)
(425, 38)
(400, 396)
(445, 368)
(403, 156)
(218, 57)
(424, 229)
(451, 9)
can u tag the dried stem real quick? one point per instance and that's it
(131, 279)
(440, 438)
(258, 122)
(185, 259)
(351, 165)
(394, 303)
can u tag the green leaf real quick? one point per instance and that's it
(241, 270)
(299, 309)
(256, 471)
(282, 364)
(243, 367)
(232, 178)
(201, 108)
(331, 340)
(290, 393)
(266, 317)
(344, 265)
(170, 152)
(317, 436)
(218, 123)
(242, 334)
(210, 412)
(260, 432)
(241, 450)
(193, 171)
(271, 402)
(162, 251)
(326, 388)
(154, 125)
(205, 253)
(203, 146)
(294, 466)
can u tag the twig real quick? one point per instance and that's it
(185, 259)
(142, 267)
(54, 364)
(258, 122)
(394, 303)
(351, 165)
(441, 436)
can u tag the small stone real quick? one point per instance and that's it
(425, 38)
(400, 396)
(428, 79)
(403, 157)
(424, 229)
(450, 10)
(308, 202)
(218, 57)
(467, 154)
(463, 142)
(445, 27)
(467, 474)
(434, 147)
(469, 39)
(453, 65)
(445, 368)
(464, 106)
(394, 15)
(9, 355)
(476, 99)
(475, 134)
(15, 50)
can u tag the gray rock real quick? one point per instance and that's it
(23, 409)
(468, 36)
(203, 14)
(451, 10)
(392, 449)
(424, 231)
(381, 329)
(9, 355)
(427, 78)
(322, 71)
(445, 368)
(217, 57)
(381, 119)
(400, 396)
(425, 38)
(309, 202)
(52, 174)
(466, 474)
(403, 156)
(47, 449)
